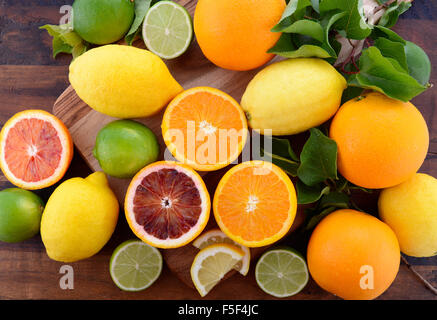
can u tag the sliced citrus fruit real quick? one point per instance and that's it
(212, 263)
(167, 29)
(204, 128)
(255, 203)
(135, 265)
(215, 236)
(167, 204)
(35, 149)
(281, 272)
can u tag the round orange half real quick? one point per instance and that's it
(167, 204)
(255, 203)
(35, 149)
(204, 128)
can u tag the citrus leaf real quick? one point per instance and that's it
(307, 194)
(294, 11)
(334, 199)
(327, 23)
(314, 218)
(306, 27)
(59, 46)
(318, 159)
(391, 15)
(285, 48)
(378, 73)
(141, 8)
(394, 50)
(280, 152)
(380, 31)
(353, 24)
(419, 66)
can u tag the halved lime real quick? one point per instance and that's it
(281, 272)
(135, 265)
(167, 29)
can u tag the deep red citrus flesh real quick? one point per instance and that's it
(33, 150)
(167, 204)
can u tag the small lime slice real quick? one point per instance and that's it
(281, 272)
(135, 265)
(167, 29)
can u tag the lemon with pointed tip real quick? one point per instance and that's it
(79, 218)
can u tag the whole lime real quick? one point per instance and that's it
(102, 21)
(123, 147)
(20, 214)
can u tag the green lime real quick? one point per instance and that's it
(124, 147)
(20, 214)
(167, 29)
(281, 272)
(135, 265)
(102, 21)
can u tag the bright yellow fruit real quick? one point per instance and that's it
(292, 96)
(410, 209)
(79, 218)
(123, 81)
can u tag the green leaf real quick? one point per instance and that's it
(391, 15)
(285, 48)
(378, 73)
(350, 93)
(65, 40)
(141, 8)
(307, 194)
(315, 5)
(334, 199)
(419, 66)
(327, 23)
(306, 27)
(314, 219)
(294, 11)
(380, 31)
(318, 159)
(394, 50)
(353, 24)
(282, 155)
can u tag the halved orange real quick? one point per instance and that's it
(35, 149)
(204, 128)
(167, 204)
(255, 203)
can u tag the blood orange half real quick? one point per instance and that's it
(167, 204)
(35, 149)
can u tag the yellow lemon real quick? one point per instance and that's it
(123, 81)
(79, 218)
(292, 96)
(410, 209)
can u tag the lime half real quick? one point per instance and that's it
(167, 29)
(281, 272)
(135, 265)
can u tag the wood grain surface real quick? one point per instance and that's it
(31, 78)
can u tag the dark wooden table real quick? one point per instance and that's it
(31, 78)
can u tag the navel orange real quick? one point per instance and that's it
(255, 203)
(236, 34)
(204, 128)
(35, 149)
(353, 255)
(167, 204)
(381, 141)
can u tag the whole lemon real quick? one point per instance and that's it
(123, 81)
(410, 209)
(353, 255)
(79, 218)
(292, 96)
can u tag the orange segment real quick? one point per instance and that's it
(255, 203)
(36, 149)
(204, 128)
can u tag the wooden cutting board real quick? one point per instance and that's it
(190, 70)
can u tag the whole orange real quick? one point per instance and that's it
(236, 35)
(353, 255)
(381, 141)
